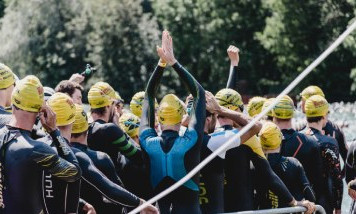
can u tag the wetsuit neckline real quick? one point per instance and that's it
(314, 130)
(16, 128)
(274, 158)
(79, 145)
(101, 121)
(227, 127)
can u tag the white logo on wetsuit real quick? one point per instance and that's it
(49, 186)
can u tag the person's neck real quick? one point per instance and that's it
(3, 99)
(66, 131)
(18, 120)
(318, 126)
(104, 117)
(81, 140)
(284, 124)
(170, 127)
(225, 122)
(271, 151)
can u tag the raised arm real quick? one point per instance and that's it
(198, 111)
(233, 53)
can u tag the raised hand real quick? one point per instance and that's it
(211, 103)
(233, 53)
(166, 51)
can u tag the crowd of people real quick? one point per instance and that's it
(57, 158)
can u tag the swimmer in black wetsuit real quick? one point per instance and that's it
(105, 136)
(24, 159)
(288, 169)
(331, 129)
(316, 110)
(94, 183)
(299, 146)
(7, 81)
(239, 188)
(182, 153)
(351, 174)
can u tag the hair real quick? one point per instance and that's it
(269, 118)
(68, 87)
(99, 111)
(76, 135)
(314, 119)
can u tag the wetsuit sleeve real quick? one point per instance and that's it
(100, 182)
(307, 190)
(331, 155)
(110, 170)
(351, 163)
(148, 109)
(274, 183)
(46, 158)
(340, 137)
(198, 110)
(231, 82)
(121, 142)
(82, 203)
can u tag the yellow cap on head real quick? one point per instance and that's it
(254, 106)
(316, 106)
(266, 104)
(270, 136)
(284, 109)
(130, 123)
(118, 97)
(101, 94)
(64, 108)
(28, 94)
(7, 77)
(170, 110)
(310, 91)
(229, 98)
(137, 103)
(81, 120)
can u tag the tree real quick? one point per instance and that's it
(298, 31)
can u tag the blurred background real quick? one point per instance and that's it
(277, 38)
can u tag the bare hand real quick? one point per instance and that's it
(149, 209)
(48, 118)
(166, 51)
(212, 104)
(309, 205)
(89, 209)
(352, 194)
(337, 211)
(77, 78)
(233, 53)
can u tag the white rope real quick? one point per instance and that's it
(296, 81)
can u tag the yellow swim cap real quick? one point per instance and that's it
(270, 136)
(28, 94)
(170, 110)
(7, 77)
(266, 104)
(255, 105)
(100, 95)
(284, 109)
(316, 106)
(130, 123)
(310, 91)
(64, 108)
(118, 97)
(81, 120)
(229, 98)
(137, 103)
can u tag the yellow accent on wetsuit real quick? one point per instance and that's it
(256, 146)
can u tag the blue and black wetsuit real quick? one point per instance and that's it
(292, 174)
(306, 150)
(241, 181)
(24, 160)
(170, 156)
(331, 169)
(332, 130)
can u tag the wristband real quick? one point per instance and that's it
(162, 64)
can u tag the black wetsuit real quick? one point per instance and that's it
(58, 196)
(24, 159)
(169, 157)
(332, 130)
(103, 162)
(293, 176)
(5, 117)
(351, 171)
(306, 150)
(332, 176)
(241, 181)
